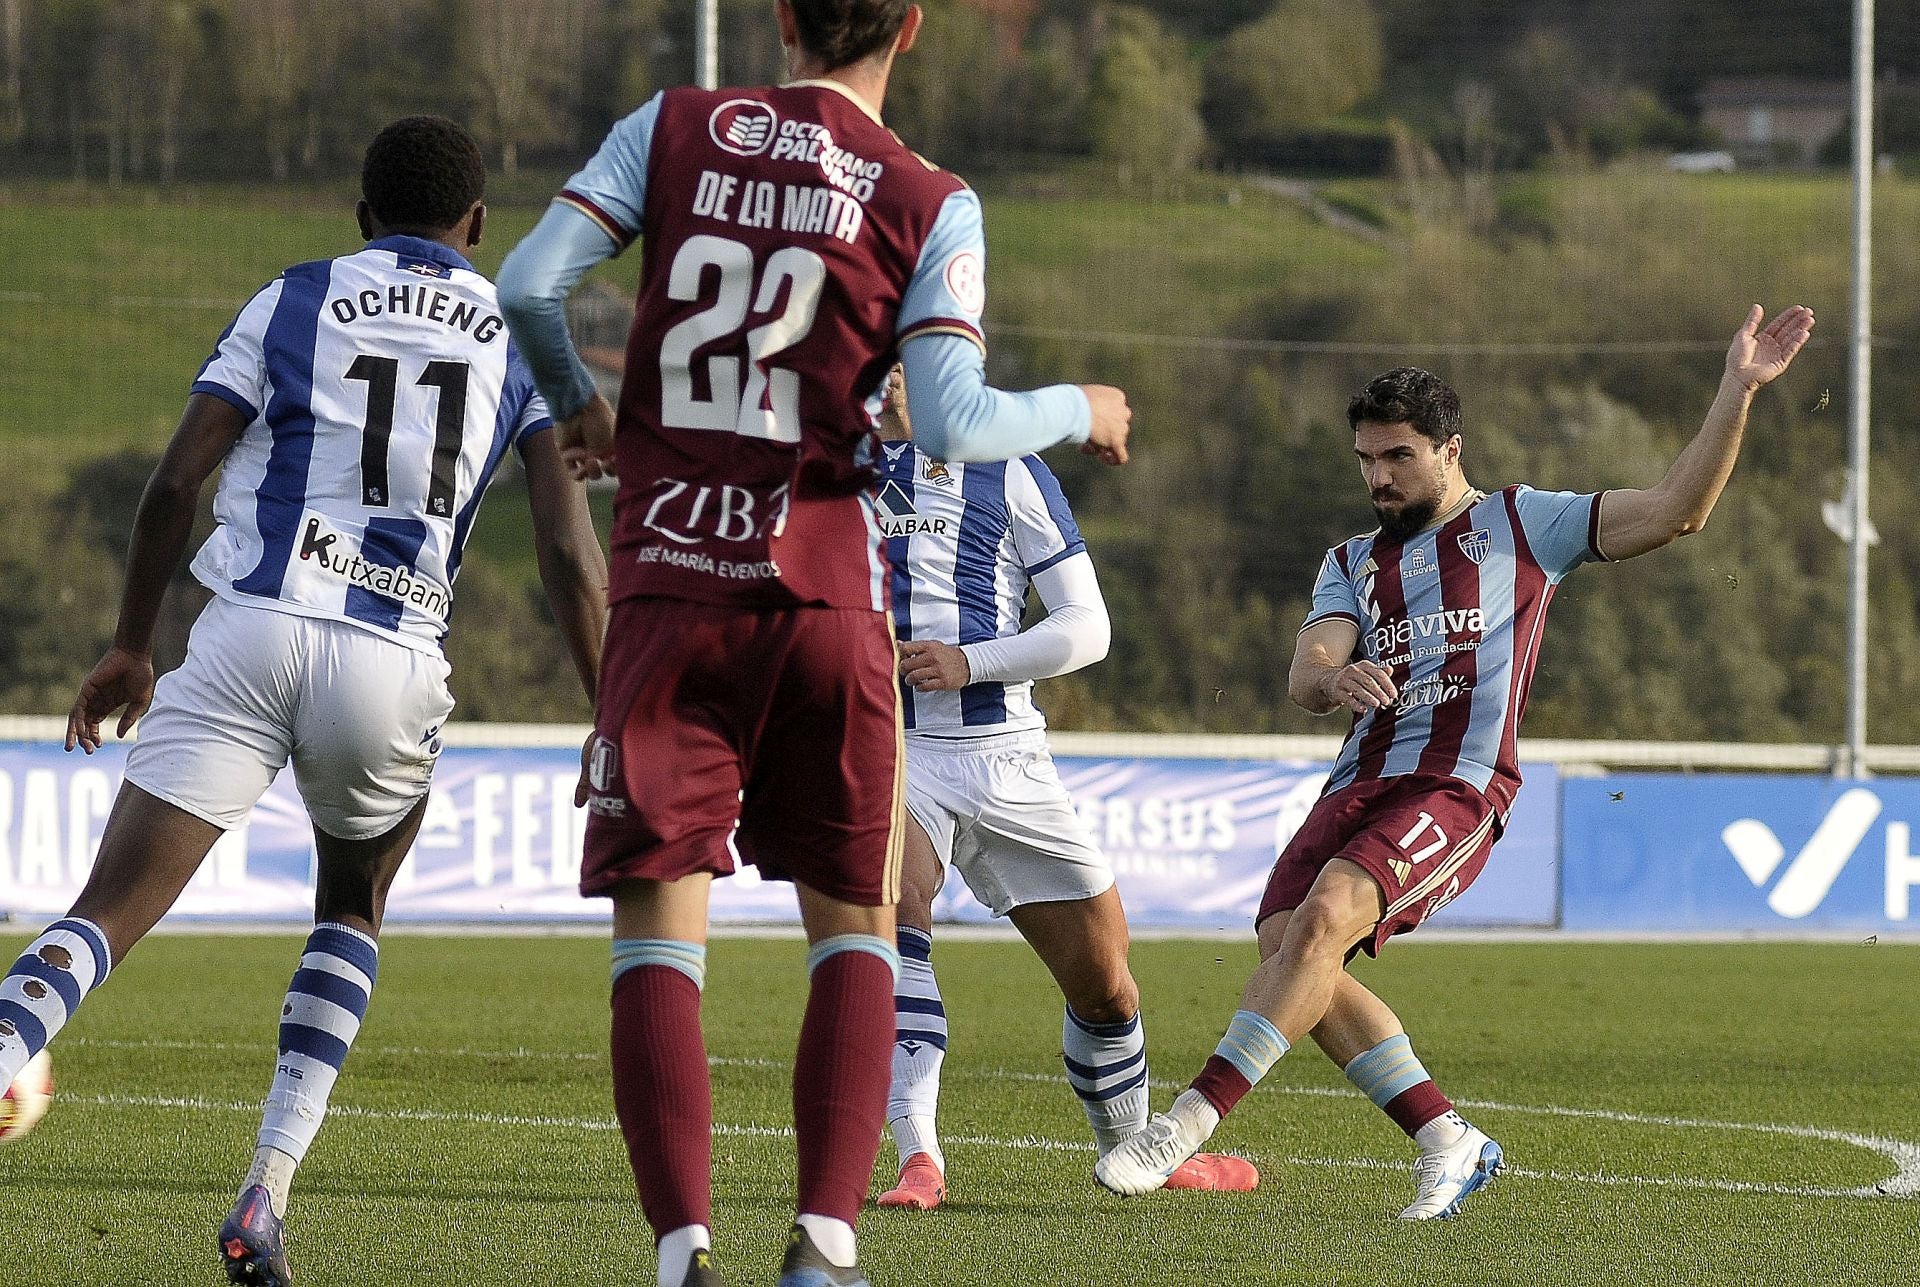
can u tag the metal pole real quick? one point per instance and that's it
(1853, 761)
(706, 43)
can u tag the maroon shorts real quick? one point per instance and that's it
(1422, 837)
(785, 722)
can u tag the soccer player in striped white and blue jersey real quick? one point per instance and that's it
(357, 408)
(967, 542)
(1427, 630)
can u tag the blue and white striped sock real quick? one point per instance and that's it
(325, 1004)
(919, 1048)
(1107, 1068)
(44, 988)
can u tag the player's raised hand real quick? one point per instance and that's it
(586, 441)
(1759, 355)
(121, 678)
(929, 666)
(1361, 687)
(1112, 421)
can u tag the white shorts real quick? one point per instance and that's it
(358, 715)
(997, 812)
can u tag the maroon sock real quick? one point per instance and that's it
(662, 1095)
(1222, 1084)
(1415, 1106)
(840, 1081)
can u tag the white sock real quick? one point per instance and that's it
(1107, 1068)
(919, 1049)
(677, 1247)
(915, 1134)
(325, 1003)
(1197, 1119)
(46, 984)
(273, 1170)
(1442, 1132)
(833, 1237)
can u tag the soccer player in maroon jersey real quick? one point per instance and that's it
(795, 249)
(1427, 630)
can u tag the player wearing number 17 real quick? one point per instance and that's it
(357, 408)
(795, 249)
(1427, 630)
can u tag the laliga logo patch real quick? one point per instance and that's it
(603, 767)
(968, 282)
(1476, 544)
(742, 126)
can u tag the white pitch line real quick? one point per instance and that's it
(1903, 1154)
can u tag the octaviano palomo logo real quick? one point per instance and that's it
(1810, 876)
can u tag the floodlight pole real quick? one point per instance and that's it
(1852, 761)
(706, 43)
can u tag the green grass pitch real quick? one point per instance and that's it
(1673, 1114)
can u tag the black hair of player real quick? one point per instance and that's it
(843, 32)
(1412, 396)
(422, 174)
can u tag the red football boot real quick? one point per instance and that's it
(1217, 1172)
(921, 1187)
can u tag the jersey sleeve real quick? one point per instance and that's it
(612, 189)
(1044, 532)
(948, 291)
(237, 371)
(1562, 528)
(1333, 595)
(522, 407)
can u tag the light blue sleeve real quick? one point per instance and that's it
(948, 291)
(957, 415)
(1333, 595)
(1562, 528)
(534, 284)
(612, 189)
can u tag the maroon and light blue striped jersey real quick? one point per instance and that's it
(1455, 613)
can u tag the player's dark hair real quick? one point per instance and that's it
(842, 32)
(422, 172)
(1408, 395)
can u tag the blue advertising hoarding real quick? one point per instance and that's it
(1191, 842)
(1739, 852)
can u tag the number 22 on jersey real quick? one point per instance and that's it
(761, 401)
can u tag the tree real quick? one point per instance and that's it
(1306, 61)
(522, 52)
(1143, 108)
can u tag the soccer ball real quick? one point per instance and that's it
(28, 1099)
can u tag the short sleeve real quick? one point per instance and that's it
(521, 404)
(1333, 595)
(1044, 532)
(948, 291)
(1562, 528)
(612, 189)
(237, 371)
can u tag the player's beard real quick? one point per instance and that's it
(1411, 517)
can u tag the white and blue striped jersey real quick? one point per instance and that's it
(381, 391)
(965, 541)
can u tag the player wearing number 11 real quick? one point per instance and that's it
(357, 408)
(794, 251)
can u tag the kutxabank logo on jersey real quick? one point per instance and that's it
(333, 553)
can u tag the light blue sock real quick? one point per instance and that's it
(688, 958)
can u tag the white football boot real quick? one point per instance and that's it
(1446, 1177)
(1143, 1161)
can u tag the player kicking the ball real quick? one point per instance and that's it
(793, 248)
(1427, 630)
(357, 408)
(966, 542)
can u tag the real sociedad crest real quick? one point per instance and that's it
(1476, 544)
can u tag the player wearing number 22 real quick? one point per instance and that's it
(1428, 630)
(357, 408)
(794, 250)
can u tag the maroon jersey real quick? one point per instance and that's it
(791, 242)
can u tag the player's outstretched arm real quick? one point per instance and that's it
(958, 416)
(124, 677)
(1635, 522)
(1324, 678)
(573, 568)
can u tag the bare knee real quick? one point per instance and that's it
(1323, 927)
(1110, 998)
